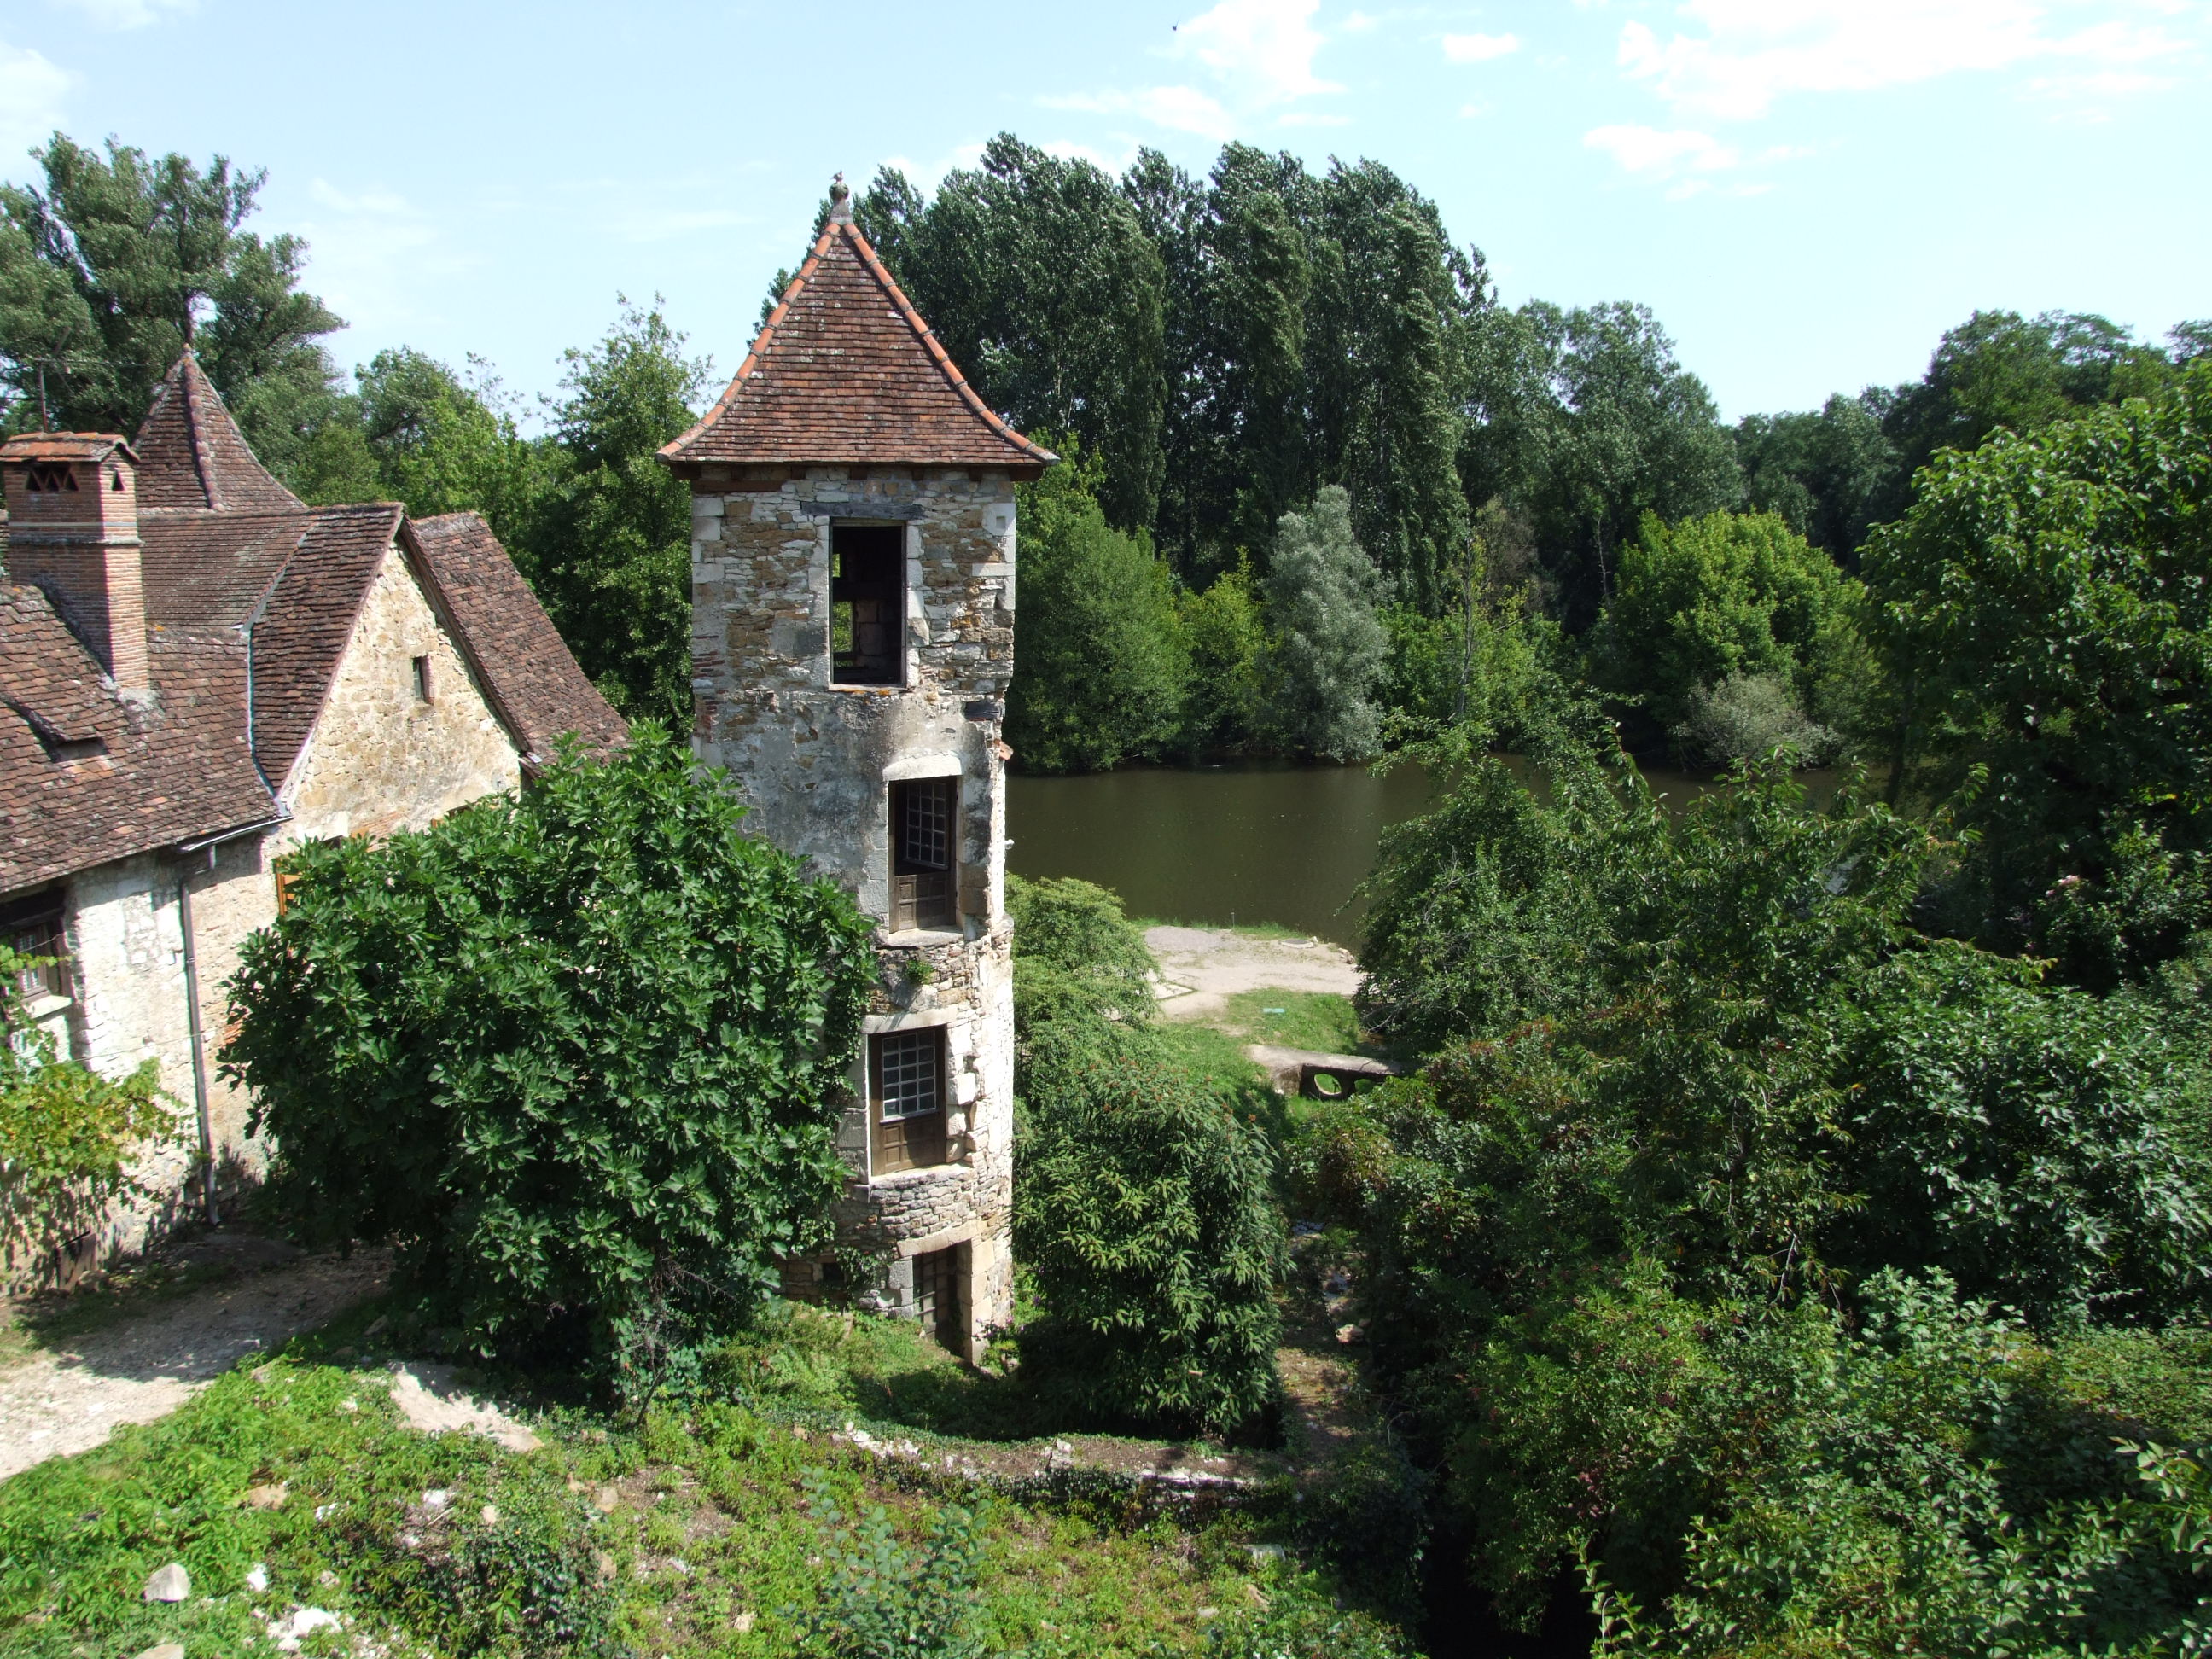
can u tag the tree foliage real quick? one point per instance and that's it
(580, 1056)
(1104, 662)
(2043, 614)
(1322, 591)
(118, 263)
(68, 1135)
(1144, 1205)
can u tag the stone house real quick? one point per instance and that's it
(852, 629)
(199, 673)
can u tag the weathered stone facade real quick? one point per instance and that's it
(816, 761)
(383, 757)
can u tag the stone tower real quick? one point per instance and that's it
(852, 635)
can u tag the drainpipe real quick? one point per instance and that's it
(199, 1046)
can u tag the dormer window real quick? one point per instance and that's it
(867, 605)
(50, 479)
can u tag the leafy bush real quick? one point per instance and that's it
(1143, 1206)
(580, 1056)
(66, 1133)
(1728, 596)
(1300, 1622)
(887, 1599)
(527, 1587)
(1746, 716)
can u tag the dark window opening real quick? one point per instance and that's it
(50, 478)
(116, 481)
(867, 605)
(906, 1098)
(32, 928)
(924, 830)
(936, 1297)
(423, 679)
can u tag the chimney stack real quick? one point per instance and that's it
(73, 532)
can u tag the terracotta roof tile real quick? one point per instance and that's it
(85, 779)
(192, 454)
(541, 692)
(64, 446)
(302, 627)
(846, 372)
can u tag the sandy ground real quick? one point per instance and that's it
(145, 1365)
(1203, 967)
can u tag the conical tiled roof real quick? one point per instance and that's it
(192, 454)
(846, 374)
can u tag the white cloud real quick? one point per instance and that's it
(1653, 153)
(1754, 52)
(1263, 49)
(32, 90)
(1479, 48)
(1258, 53)
(127, 13)
(372, 252)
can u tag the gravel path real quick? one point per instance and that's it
(1202, 967)
(145, 1365)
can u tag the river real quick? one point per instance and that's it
(1246, 842)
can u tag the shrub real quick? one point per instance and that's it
(1746, 716)
(66, 1133)
(1323, 594)
(580, 1056)
(887, 1599)
(1143, 1206)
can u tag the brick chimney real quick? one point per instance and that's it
(73, 532)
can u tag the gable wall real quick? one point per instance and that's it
(381, 760)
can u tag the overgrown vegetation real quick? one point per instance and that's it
(69, 1137)
(579, 1055)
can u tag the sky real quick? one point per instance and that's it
(1806, 192)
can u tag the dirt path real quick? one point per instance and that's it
(1202, 967)
(144, 1365)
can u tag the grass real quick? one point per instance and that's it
(655, 1537)
(1268, 930)
(1319, 1020)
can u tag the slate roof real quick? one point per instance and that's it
(192, 454)
(845, 373)
(249, 607)
(540, 691)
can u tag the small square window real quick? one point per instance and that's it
(32, 927)
(422, 679)
(906, 1098)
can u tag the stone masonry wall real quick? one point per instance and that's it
(816, 761)
(380, 759)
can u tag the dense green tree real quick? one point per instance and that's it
(1103, 661)
(1232, 664)
(1586, 420)
(1037, 274)
(444, 442)
(1999, 369)
(2045, 616)
(1322, 591)
(580, 1055)
(115, 266)
(1731, 597)
(1826, 474)
(607, 538)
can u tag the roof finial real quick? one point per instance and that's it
(840, 201)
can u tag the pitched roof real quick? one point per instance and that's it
(192, 454)
(85, 778)
(541, 693)
(845, 373)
